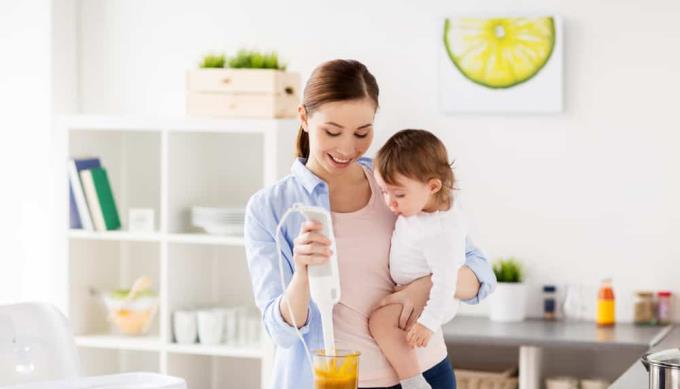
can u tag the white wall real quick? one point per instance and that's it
(25, 198)
(578, 196)
(37, 80)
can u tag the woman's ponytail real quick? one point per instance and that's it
(302, 143)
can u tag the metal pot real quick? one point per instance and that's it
(663, 368)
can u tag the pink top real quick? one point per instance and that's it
(363, 244)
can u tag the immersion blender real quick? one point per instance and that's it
(324, 279)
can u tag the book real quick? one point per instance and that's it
(74, 213)
(79, 213)
(100, 199)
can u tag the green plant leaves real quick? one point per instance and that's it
(213, 61)
(244, 59)
(508, 270)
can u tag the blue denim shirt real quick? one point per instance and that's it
(263, 213)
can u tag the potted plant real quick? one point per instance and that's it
(248, 84)
(508, 302)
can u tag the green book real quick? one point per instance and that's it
(99, 181)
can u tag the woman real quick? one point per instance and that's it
(339, 105)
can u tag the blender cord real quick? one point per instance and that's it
(283, 283)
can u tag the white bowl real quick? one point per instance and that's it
(132, 317)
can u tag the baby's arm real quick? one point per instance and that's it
(439, 250)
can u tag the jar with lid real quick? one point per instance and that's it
(663, 311)
(549, 302)
(644, 308)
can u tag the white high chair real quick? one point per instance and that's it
(37, 351)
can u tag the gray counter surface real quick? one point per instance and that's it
(636, 376)
(550, 333)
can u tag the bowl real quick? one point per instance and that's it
(133, 317)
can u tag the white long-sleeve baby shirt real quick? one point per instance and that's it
(430, 243)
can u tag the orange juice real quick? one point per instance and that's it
(340, 371)
(606, 307)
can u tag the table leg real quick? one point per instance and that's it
(530, 359)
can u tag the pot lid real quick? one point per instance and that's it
(666, 358)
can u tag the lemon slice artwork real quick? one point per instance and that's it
(499, 53)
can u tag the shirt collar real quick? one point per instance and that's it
(308, 179)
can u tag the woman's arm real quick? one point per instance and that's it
(296, 298)
(485, 278)
(263, 262)
(467, 286)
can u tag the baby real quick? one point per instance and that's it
(416, 179)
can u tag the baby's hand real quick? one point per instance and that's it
(418, 336)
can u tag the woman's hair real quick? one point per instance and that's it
(419, 155)
(337, 80)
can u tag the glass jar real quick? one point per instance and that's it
(644, 308)
(549, 302)
(663, 311)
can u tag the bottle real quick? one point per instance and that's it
(549, 303)
(644, 308)
(663, 313)
(606, 307)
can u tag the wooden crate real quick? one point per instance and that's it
(241, 105)
(263, 93)
(476, 379)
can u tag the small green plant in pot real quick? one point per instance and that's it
(508, 302)
(508, 270)
(248, 84)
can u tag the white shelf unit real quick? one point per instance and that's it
(170, 165)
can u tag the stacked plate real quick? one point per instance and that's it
(219, 221)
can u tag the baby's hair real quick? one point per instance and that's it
(418, 155)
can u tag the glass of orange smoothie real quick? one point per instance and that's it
(338, 371)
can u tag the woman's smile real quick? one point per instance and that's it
(339, 162)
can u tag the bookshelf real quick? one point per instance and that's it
(170, 165)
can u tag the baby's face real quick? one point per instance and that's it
(407, 197)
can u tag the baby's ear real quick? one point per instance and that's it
(435, 185)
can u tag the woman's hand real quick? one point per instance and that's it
(412, 298)
(310, 247)
(418, 336)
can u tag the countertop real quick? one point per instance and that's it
(543, 333)
(636, 376)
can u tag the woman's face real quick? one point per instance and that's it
(339, 133)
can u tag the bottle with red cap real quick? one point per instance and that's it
(663, 307)
(606, 305)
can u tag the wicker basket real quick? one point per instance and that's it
(475, 379)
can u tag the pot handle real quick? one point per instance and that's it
(645, 362)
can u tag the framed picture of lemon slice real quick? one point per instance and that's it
(501, 64)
